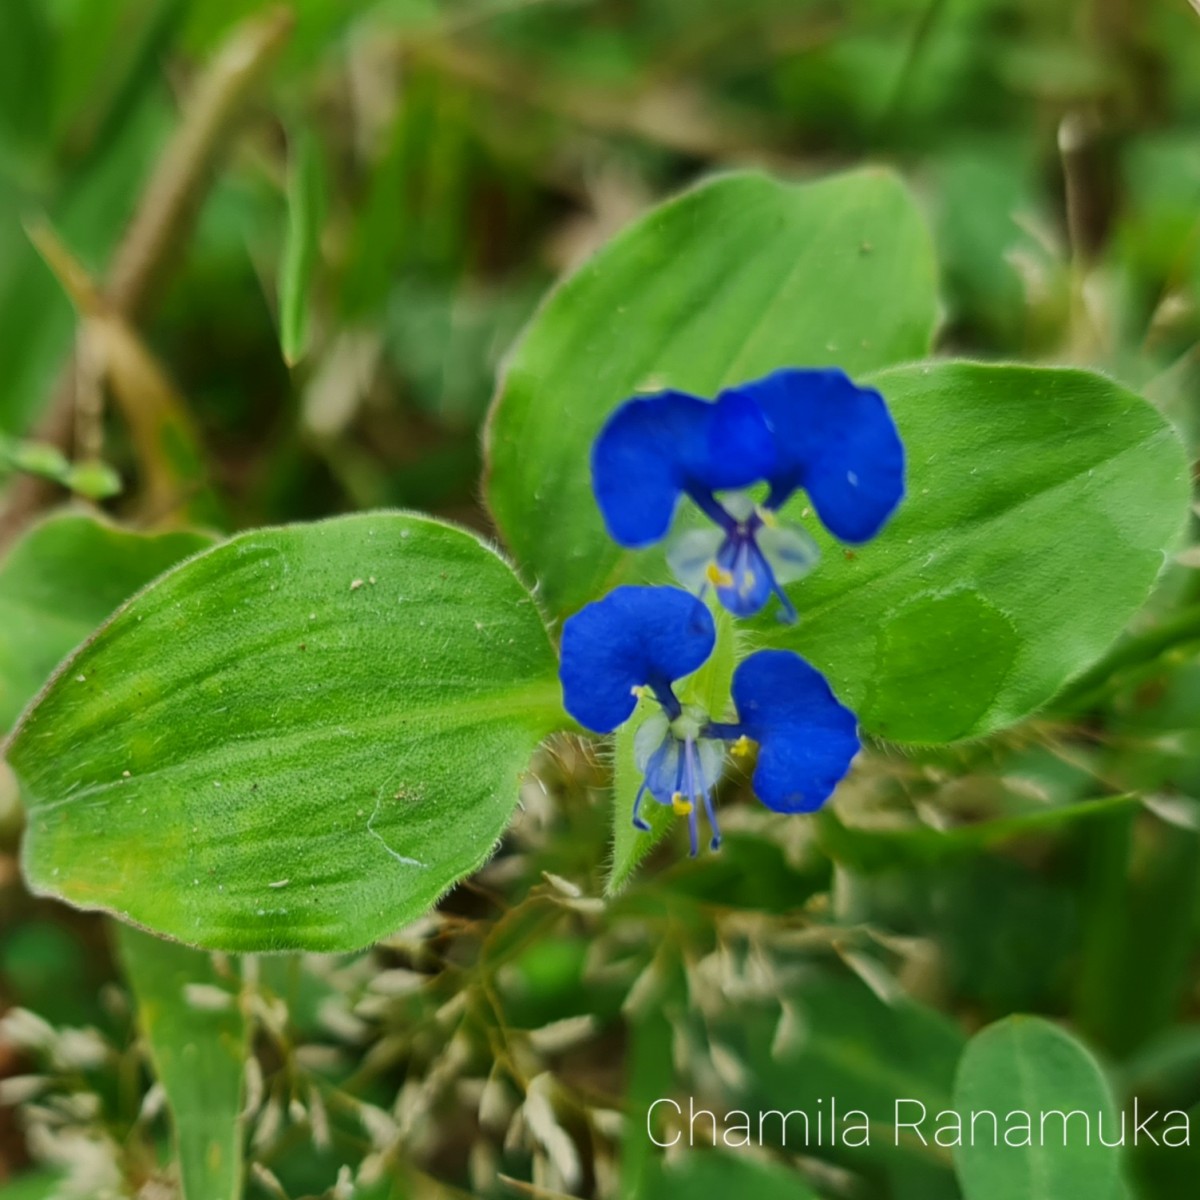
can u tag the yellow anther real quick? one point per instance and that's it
(768, 518)
(742, 747)
(639, 690)
(681, 804)
(718, 576)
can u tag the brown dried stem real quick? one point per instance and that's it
(154, 244)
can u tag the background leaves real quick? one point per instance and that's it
(305, 212)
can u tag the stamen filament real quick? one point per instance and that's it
(788, 616)
(700, 789)
(639, 822)
(665, 695)
(715, 843)
(689, 768)
(708, 504)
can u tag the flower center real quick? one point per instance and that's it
(687, 726)
(746, 559)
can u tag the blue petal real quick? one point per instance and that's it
(655, 448)
(633, 637)
(806, 738)
(837, 441)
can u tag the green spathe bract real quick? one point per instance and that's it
(299, 739)
(720, 285)
(709, 689)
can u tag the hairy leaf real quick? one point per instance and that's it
(65, 576)
(297, 740)
(1041, 506)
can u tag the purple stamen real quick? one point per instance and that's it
(639, 822)
(700, 791)
(715, 842)
(662, 691)
(687, 758)
(712, 508)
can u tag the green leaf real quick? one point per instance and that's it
(631, 845)
(708, 688)
(297, 740)
(306, 208)
(1041, 507)
(59, 582)
(848, 1042)
(198, 1042)
(651, 1075)
(723, 284)
(1026, 1065)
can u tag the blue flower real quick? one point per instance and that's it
(794, 429)
(640, 641)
